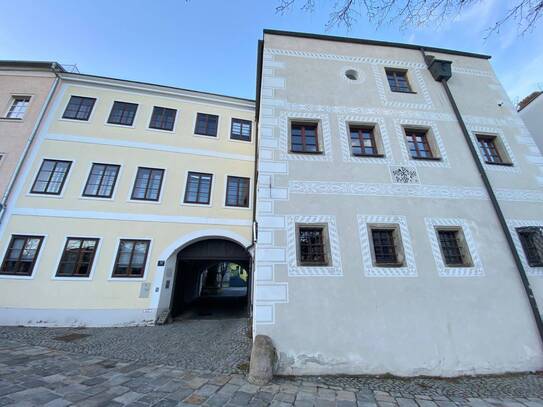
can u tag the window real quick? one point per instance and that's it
(363, 141)
(79, 108)
(304, 138)
(77, 257)
(206, 124)
(311, 243)
(162, 118)
(198, 189)
(453, 248)
(386, 243)
(417, 142)
(531, 239)
(131, 258)
(397, 80)
(122, 113)
(351, 74)
(148, 184)
(241, 130)
(18, 107)
(101, 181)
(21, 255)
(51, 177)
(237, 191)
(489, 149)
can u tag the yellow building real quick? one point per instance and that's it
(123, 177)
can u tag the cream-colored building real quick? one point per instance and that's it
(26, 88)
(121, 177)
(531, 113)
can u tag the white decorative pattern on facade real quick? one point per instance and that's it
(476, 270)
(284, 141)
(399, 125)
(473, 130)
(400, 174)
(294, 270)
(345, 139)
(371, 270)
(513, 224)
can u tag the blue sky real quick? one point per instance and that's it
(210, 45)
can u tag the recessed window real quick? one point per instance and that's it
(18, 107)
(21, 255)
(122, 113)
(51, 177)
(418, 144)
(206, 124)
(237, 191)
(101, 181)
(351, 74)
(312, 245)
(386, 244)
(531, 239)
(79, 108)
(148, 184)
(241, 130)
(163, 118)
(397, 80)
(363, 141)
(77, 257)
(304, 138)
(198, 189)
(453, 246)
(491, 150)
(131, 258)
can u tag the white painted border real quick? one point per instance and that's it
(35, 270)
(12, 98)
(175, 119)
(147, 260)
(474, 271)
(379, 123)
(295, 270)
(370, 270)
(206, 137)
(160, 192)
(60, 113)
(226, 191)
(122, 126)
(211, 189)
(94, 261)
(241, 141)
(498, 133)
(117, 180)
(64, 184)
(286, 117)
(513, 225)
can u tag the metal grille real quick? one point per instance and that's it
(312, 246)
(451, 248)
(532, 243)
(383, 246)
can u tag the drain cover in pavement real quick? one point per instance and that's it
(71, 337)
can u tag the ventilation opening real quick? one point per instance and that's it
(351, 74)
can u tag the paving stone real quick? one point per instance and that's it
(217, 400)
(249, 388)
(195, 399)
(426, 403)
(405, 402)
(37, 396)
(241, 398)
(128, 397)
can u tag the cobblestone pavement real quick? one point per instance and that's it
(39, 376)
(219, 345)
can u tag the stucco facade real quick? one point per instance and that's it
(422, 317)
(532, 115)
(25, 89)
(167, 223)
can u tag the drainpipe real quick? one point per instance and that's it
(26, 148)
(440, 71)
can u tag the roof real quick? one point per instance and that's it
(528, 99)
(47, 65)
(373, 42)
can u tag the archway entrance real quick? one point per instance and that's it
(212, 280)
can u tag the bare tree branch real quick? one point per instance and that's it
(415, 13)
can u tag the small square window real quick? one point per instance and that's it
(198, 189)
(453, 246)
(386, 242)
(491, 150)
(418, 144)
(531, 239)
(304, 137)
(77, 257)
(163, 118)
(237, 191)
(206, 124)
(21, 255)
(397, 80)
(363, 141)
(148, 184)
(131, 258)
(18, 107)
(79, 108)
(51, 177)
(241, 130)
(101, 181)
(312, 245)
(122, 113)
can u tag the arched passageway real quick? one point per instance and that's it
(212, 280)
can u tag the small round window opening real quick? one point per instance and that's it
(351, 74)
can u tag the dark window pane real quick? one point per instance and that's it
(21, 255)
(489, 150)
(237, 191)
(77, 257)
(531, 239)
(131, 258)
(147, 184)
(198, 189)
(241, 130)
(384, 246)
(450, 247)
(162, 118)
(304, 138)
(417, 142)
(397, 80)
(101, 180)
(123, 113)
(51, 177)
(363, 141)
(311, 244)
(79, 108)
(206, 124)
